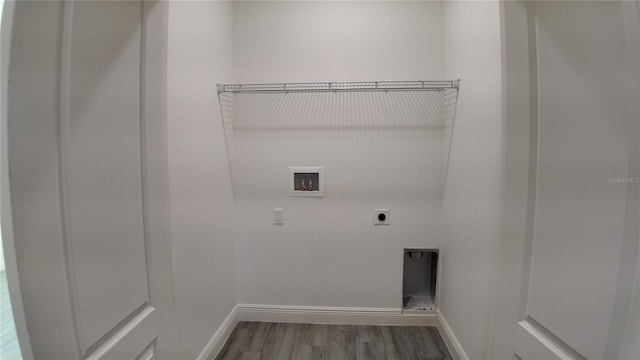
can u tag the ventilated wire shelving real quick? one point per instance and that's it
(423, 109)
(419, 85)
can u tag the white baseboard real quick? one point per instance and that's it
(331, 315)
(220, 337)
(450, 339)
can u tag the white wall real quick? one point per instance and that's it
(200, 54)
(329, 253)
(293, 41)
(471, 203)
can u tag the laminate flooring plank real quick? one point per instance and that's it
(416, 348)
(235, 344)
(342, 343)
(304, 334)
(404, 345)
(257, 342)
(287, 341)
(368, 333)
(439, 342)
(366, 350)
(431, 347)
(391, 348)
(345, 327)
(275, 340)
(269, 340)
(301, 352)
(319, 353)
(251, 356)
(319, 334)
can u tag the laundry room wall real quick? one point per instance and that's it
(199, 54)
(378, 150)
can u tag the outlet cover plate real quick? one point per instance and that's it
(376, 216)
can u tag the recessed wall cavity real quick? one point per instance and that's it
(419, 280)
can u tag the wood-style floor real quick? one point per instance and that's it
(280, 341)
(9, 347)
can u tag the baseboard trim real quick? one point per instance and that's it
(329, 315)
(450, 338)
(332, 315)
(221, 336)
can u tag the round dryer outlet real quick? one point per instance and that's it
(381, 217)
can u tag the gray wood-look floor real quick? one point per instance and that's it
(259, 340)
(9, 347)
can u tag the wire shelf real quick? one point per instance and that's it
(420, 85)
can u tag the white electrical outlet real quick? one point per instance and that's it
(278, 216)
(381, 216)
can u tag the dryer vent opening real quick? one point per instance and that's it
(419, 279)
